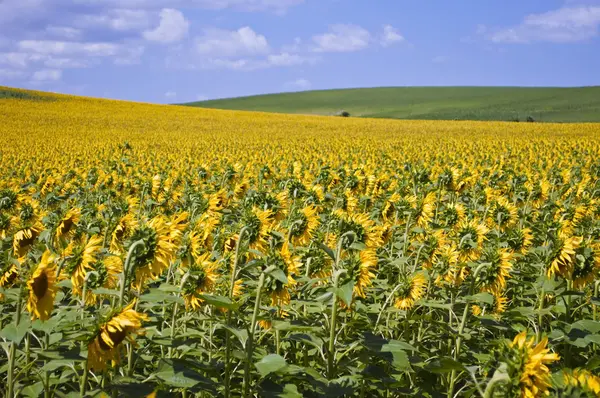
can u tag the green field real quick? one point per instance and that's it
(432, 103)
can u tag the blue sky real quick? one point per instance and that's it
(185, 50)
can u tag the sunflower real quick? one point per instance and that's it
(79, 255)
(28, 224)
(470, 235)
(538, 192)
(586, 265)
(8, 276)
(107, 277)
(433, 242)
(388, 213)
(527, 366)
(68, 224)
(497, 307)
(581, 381)
(448, 268)
(216, 203)
(452, 215)
(189, 249)
(305, 226)
(125, 227)
(520, 240)
(562, 257)
(259, 224)
(498, 264)
(503, 214)
(105, 345)
(364, 229)
(42, 288)
(201, 280)
(177, 227)
(423, 209)
(410, 289)
(289, 264)
(151, 260)
(360, 269)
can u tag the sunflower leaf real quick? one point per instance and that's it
(16, 333)
(219, 301)
(269, 364)
(345, 291)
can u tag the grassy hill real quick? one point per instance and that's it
(432, 103)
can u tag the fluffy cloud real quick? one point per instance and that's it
(390, 36)
(172, 27)
(46, 75)
(225, 43)
(99, 49)
(121, 20)
(11, 74)
(567, 24)
(170, 94)
(349, 38)
(298, 84)
(342, 38)
(64, 32)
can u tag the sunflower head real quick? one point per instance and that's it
(42, 288)
(8, 199)
(526, 365)
(304, 226)
(67, 225)
(360, 271)
(579, 383)
(279, 288)
(586, 265)
(495, 271)
(410, 289)
(105, 345)
(202, 277)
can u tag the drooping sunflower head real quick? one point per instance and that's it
(496, 270)
(452, 215)
(503, 214)
(410, 289)
(471, 236)
(9, 275)
(586, 265)
(360, 270)
(363, 228)
(42, 288)
(123, 230)
(106, 275)
(304, 226)
(105, 345)
(28, 227)
(67, 225)
(258, 225)
(579, 383)
(8, 199)
(562, 256)
(527, 367)
(447, 268)
(317, 262)
(496, 308)
(278, 288)
(433, 242)
(520, 240)
(201, 280)
(190, 248)
(423, 209)
(155, 256)
(79, 257)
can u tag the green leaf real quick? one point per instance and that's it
(33, 391)
(106, 292)
(269, 364)
(177, 373)
(587, 325)
(444, 365)
(279, 275)
(57, 364)
(400, 359)
(345, 292)
(290, 391)
(16, 333)
(241, 334)
(485, 298)
(219, 301)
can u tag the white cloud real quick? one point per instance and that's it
(64, 32)
(278, 6)
(440, 59)
(130, 55)
(390, 36)
(225, 43)
(567, 24)
(65, 63)
(10, 74)
(298, 84)
(46, 75)
(170, 94)
(287, 59)
(342, 38)
(201, 97)
(18, 59)
(118, 19)
(172, 27)
(51, 47)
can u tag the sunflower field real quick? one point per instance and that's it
(150, 250)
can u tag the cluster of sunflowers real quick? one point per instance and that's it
(150, 250)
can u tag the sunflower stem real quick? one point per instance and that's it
(334, 305)
(250, 343)
(229, 314)
(13, 352)
(174, 317)
(461, 329)
(84, 379)
(127, 266)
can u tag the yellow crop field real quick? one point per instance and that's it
(152, 250)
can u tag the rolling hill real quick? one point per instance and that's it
(546, 104)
